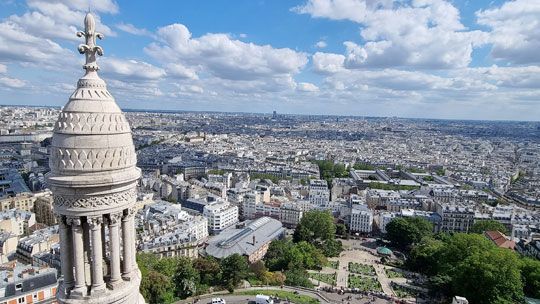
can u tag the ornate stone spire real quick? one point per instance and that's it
(90, 49)
(93, 178)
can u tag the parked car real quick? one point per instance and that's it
(218, 301)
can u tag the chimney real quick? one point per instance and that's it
(253, 240)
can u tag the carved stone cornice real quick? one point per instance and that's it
(109, 200)
(95, 159)
(91, 123)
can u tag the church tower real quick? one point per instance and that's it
(93, 179)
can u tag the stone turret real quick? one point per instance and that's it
(93, 178)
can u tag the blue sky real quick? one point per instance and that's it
(419, 58)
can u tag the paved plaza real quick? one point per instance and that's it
(356, 252)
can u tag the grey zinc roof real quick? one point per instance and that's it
(240, 241)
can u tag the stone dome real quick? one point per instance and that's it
(93, 179)
(92, 148)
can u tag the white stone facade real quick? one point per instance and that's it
(220, 215)
(361, 219)
(319, 195)
(93, 179)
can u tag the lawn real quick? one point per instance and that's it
(298, 299)
(391, 273)
(361, 268)
(328, 278)
(364, 283)
(402, 292)
(333, 264)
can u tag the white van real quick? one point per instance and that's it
(262, 299)
(218, 301)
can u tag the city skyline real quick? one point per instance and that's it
(414, 59)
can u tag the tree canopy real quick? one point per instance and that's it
(166, 280)
(470, 265)
(286, 255)
(318, 228)
(406, 231)
(530, 274)
(488, 225)
(235, 269)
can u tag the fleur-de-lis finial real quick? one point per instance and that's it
(90, 49)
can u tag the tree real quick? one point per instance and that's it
(186, 278)
(157, 288)
(424, 256)
(459, 247)
(488, 225)
(276, 257)
(285, 255)
(486, 277)
(404, 232)
(235, 269)
(331, 248)
(341, 230)
(209, 271)
(297, 277)
(530, 274)
(258, 269)
(471, 266)
(312, 258)
(315, 225)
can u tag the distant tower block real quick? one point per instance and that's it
(93, 179)
(274, 115)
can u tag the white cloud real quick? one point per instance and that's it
(131, 69)
(191, 89)
(61, 19)
(424, 33)
(521, 77)
(307, 87)
(178, 70)
(104, 6)
(18, 46)
(128, 91)
(131, 29)
(327, 62)
(321, 44)
(515, 31)
(3, 68)
(222, 56)
(32, 36)
(12, 82)
(388, 79)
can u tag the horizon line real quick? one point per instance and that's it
(284, 114)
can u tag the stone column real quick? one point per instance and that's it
(127, 246)
(132, 212)
(114, 245)
(96, 253)
(66, 254)
(104, 247)
(87, 257)
(79, 288)
(104, 239)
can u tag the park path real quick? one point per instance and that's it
(383, 279)
(240, 298)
